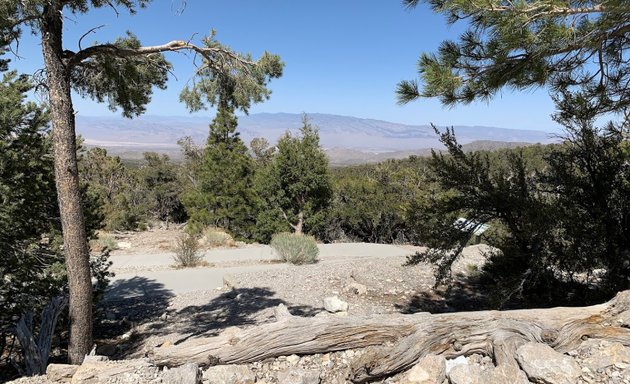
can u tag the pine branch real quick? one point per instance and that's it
(551, 10)
(15, 23)
(172, 46)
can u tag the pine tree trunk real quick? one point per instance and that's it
(76, 250)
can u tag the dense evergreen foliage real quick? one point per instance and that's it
(223, 194)
(133, 197)
(294, 187)
(161, 188)
(561, 228)
(574, 47)
(371, 202)
(32, 271)
(555, 224)
(27, 182)
(30, 264)
(115, 186)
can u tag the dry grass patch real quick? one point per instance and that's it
(213, 237)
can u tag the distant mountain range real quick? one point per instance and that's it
(347, 139)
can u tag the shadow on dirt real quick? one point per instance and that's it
(477, 293)
(238, 307)
(129, 303)
(464, 294)
(144, 308)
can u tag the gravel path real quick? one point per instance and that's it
(151, 274)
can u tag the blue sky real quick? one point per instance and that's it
(341, 56)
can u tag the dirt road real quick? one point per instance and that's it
(139, 274)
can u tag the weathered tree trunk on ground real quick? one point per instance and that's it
(396, 342)
(75, 245)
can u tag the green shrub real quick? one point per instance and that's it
(187, 251)
(295, 249)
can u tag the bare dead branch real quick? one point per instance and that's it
(93, 30)
(173, 46)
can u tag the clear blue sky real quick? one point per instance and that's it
(341, 56)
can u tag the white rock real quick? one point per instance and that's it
(229, 281)
(334, 304)
(61, 372)
(293, 359)
(459, 360)
(94, 359)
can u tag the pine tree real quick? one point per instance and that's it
(572, 47)
(224, 194)
(26, 176)
(122, 73)
(295, 186)
(30, 272)
(572, 216)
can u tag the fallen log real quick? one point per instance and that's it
(395, 342)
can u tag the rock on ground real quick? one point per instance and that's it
(600, 354)
(430, 369)
(186, 374)
(60, 372)
(543, 364)
(335, 304)
(465, 374)
(298, 376)
(451, 363)
(229, 374)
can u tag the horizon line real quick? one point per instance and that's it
(193, 116)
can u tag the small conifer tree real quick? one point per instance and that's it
(224, 194)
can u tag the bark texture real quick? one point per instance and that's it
(396, 342)
(75, 245)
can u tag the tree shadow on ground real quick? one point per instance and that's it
(464, 294)
(129, 303)
(476, 292)
(238, 307)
